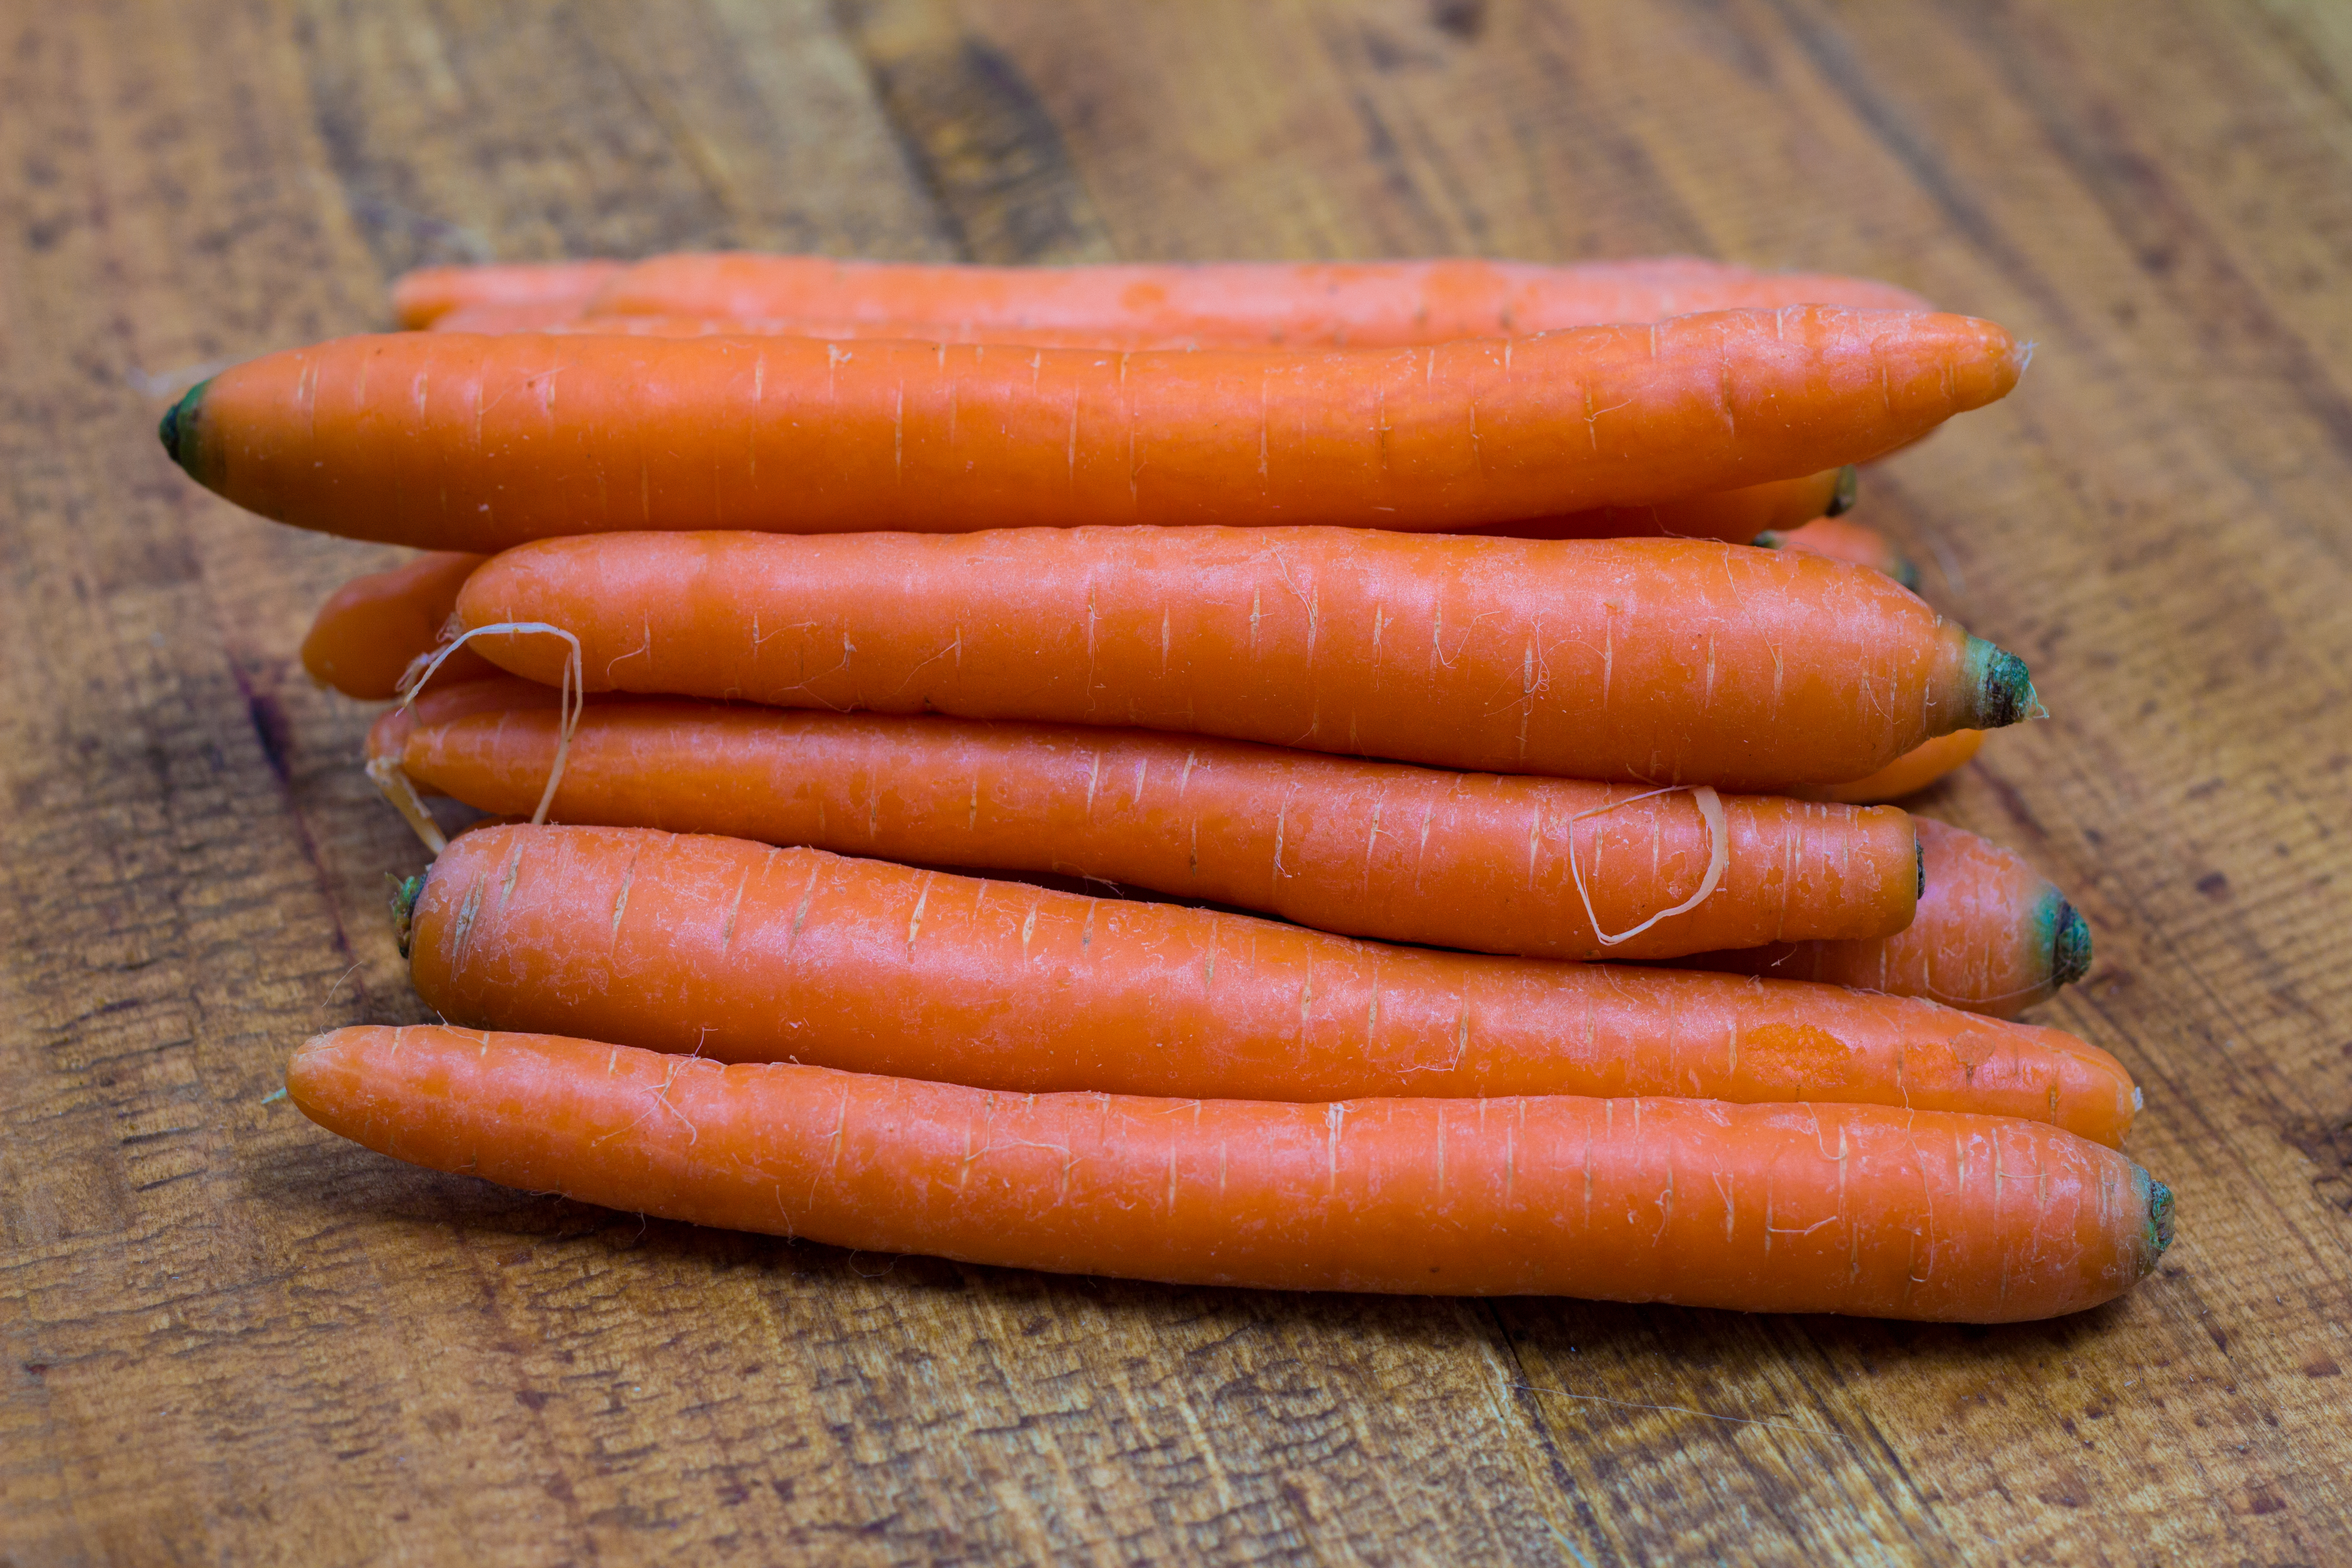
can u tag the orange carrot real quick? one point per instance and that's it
(1785, 1208)
(734, 949)
(1992, 936)
(423, 297)
(1483, 862)
(509, 316)
(1664, 661)
(1842, 539)
(1736, 517)
(1907, 775)
(1113, 340)
(452, 441)
(1235, 303)
(372, 627)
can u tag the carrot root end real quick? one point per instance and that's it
(178, 426)
(2159, 1220)
(1849, 485)
(2002, 690)
(2070, 945)
(404, 909)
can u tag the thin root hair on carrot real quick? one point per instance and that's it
(394, 785)
(572, 698)
(1718, 860)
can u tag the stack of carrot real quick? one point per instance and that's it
(1292, 776)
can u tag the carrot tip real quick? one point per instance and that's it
(169, 428)
(1907, 572)
(1849, 484)
(404, 909)
(2003, 692)
(2159, 1219)
(2070, 945)
(178, 429)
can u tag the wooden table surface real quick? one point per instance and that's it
(227, 1337)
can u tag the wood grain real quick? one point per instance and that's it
(225, 1336)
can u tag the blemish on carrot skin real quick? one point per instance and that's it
(465, 924)
(513, 869)
(915, 921)
(799, 915)
(727, 933)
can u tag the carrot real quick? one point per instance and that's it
(1113, 340)
(1237, 303)
(1655, 660)
(1785, 1208)
(509, 316)
(1739, 515)
(1377, 849)
(734, 949)
(423, 296)
(449, 441)
(1736, 517)
(1907, 775)
(1992, 936)
(1842, 539)
(371, 628)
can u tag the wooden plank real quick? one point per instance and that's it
(222, 1334)
(977, 136)
(528, 133)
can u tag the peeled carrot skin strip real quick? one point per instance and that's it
(1992, 936)
(1656, 661)
(371, 628)
(1371, 849)
(1382, 302)
(726, 949)
(445, 440)
(422, 297)
(1758, 1208)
